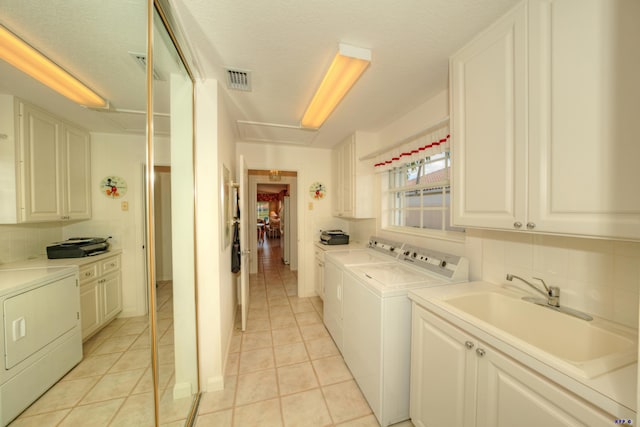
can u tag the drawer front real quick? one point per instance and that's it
(88, 272)
(110, 264)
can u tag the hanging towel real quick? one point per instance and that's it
(235, 248)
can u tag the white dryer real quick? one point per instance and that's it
(377, 324)
(378, 252)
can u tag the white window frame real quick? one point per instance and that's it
(388, 211)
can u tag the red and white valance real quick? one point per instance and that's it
(421, 145)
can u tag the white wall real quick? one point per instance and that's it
(216, 285)
(312, 165)
(598, 276)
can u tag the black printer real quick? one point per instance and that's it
(334, 237)
(78, 247)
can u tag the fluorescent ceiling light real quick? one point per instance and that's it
(25, 58)
(346, 68)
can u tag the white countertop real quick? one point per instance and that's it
(61, 262)
(21, 278)
(615, 392)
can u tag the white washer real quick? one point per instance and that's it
(378, 252)
(377, 324)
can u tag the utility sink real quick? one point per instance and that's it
(589, 347)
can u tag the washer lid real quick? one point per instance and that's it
(396, 275)
(358, 256)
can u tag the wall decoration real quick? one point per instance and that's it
(113, 186)
(317, 191)
(225, 194)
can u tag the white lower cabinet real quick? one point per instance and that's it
(100, 294)
(318, 273)
(458, 380)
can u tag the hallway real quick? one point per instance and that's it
(285, 369)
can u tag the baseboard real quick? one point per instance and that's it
(215, 384)
(182, 390)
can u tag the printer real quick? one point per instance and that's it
(78, 247)
(334, 237)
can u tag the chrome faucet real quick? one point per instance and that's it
(552, 297)
(552, 294)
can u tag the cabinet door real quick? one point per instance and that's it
(77, 172)
(41, 175)
(319, 278)
(348, 177)
(90, 310)
(443, 367)
(511, 395)
(488, 126)
(332, 308)
(584, 117)
(336, 174)
(112, 296)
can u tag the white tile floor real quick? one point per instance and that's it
(285, 369)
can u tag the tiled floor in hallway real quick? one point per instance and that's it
(284, 370)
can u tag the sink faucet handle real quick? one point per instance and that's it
(544, 284)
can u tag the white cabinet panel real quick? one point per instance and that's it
(90, 308)
(584, 127)
(544, 121)
(112, 296)
(47, 168)
(442, 380)
(100, 294)
(77, 153)
(352, 179)
(41, 165)
(488, 122)
(458, 380)
(514, 395)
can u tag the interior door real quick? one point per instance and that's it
(244, 238)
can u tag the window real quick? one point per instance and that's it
(263, 210)
(417, 194)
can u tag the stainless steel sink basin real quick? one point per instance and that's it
(587, 346)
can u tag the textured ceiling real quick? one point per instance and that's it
(286, 44)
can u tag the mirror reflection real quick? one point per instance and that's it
(103, 44)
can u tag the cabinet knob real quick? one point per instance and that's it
(531, 225)
(517, 224)
(469, 345)
(480, 352)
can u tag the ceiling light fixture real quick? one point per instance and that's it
(27, 59)
(274, 175)
(346, 68)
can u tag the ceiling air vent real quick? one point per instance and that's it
(141, 60)
(238, 79)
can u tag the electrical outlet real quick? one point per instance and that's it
(310, 206)
(124, 205)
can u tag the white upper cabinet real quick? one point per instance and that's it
(46, 166)
(77, 172)
(352, 178)
(544, 109)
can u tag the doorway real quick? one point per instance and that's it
(274, 193)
